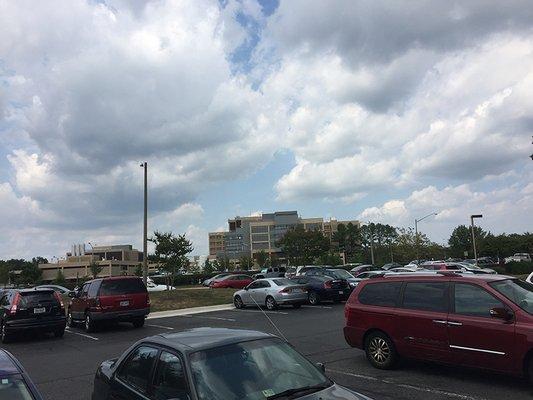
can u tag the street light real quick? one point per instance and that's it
(416, 232)
(145, 225)
(472, 217)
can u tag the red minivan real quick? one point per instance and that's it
(120, 298)
(482, 321)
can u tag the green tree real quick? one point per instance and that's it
(348, 239)
(261, 258)
(460, 241)
(138, 270)
(60, 278)
(304, 247)
(330, 258)
(29, 274)
(95, 268)
(245, 262)
(170, 252)
(208, 267)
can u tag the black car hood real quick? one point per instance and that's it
(335, 392)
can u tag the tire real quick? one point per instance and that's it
(70, 320)
(296, 306)
(314, 298)
(89, 323)
(138, 323)
(59, 333)
(238, 303)
(4, 336)
(270, 303)
(380, 351)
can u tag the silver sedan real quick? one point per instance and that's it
(271, 292)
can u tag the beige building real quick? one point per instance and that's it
(250, 235)
(114, 260)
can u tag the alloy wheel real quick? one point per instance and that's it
(238, 302)
(379, 350)
(270, 303)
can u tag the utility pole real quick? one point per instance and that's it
(416, 234)
(473, 234)
(145, 224)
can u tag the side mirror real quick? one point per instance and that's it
(321, 367)
(247, 287)
(72, 294)
(501, 313)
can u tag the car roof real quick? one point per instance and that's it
(440, 275)
(8, 365)
(205, 338)
(32, 290)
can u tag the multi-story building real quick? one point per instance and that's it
(250, 235)
(113, 260)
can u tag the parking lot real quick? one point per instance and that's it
(64, 368)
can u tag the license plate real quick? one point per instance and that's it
(39, 310)
(341, 292)
(124, 303)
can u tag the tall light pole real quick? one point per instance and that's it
(472, 217)
(416, 233)
(145, 225)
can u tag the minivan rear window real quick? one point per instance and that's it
(380, 294)
(113, 287)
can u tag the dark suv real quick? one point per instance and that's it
(483, 321)
(122, 298)
(31, 309)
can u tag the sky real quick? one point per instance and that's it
(371, 110)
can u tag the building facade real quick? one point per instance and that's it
(247, 236)
(113, 260)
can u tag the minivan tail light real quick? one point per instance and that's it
(14, 306)
(328, 284)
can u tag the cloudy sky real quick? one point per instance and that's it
(376, 110)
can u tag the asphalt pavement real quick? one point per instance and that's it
(63, 369)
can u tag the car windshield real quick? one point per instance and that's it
(252, 370)
(13, 388)
(339, 273)
(519, 292)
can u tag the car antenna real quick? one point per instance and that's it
(267, 317)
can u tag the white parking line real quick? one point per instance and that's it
(161, 327)
(413, 387)
(82, 334)
(217, 318)
(329, 308)
(259, 311)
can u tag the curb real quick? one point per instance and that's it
(188, 311)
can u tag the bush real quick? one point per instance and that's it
(516, 268)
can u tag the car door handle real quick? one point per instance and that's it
(452, 323)
(440, 321)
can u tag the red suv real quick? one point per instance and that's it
(122, 298)
(483, 321)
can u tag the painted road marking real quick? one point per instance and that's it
(413, 387)
(160, 326)
(329, 308)
(259, 311)
(82, 334)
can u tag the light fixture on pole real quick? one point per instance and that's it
(472, 217)
(145, 224)
(416, 233)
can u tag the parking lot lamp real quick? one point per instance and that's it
(416, 233)
(472, 217)
(145, 224)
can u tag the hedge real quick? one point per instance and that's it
(515, 268)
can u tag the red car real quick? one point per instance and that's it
(483, 321)
(232, 281)
(121, 298)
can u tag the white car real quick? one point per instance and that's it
(151, 286)
(519, 257)
(530, 278)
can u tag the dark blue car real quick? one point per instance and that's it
(15, 384)
(321, 288)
